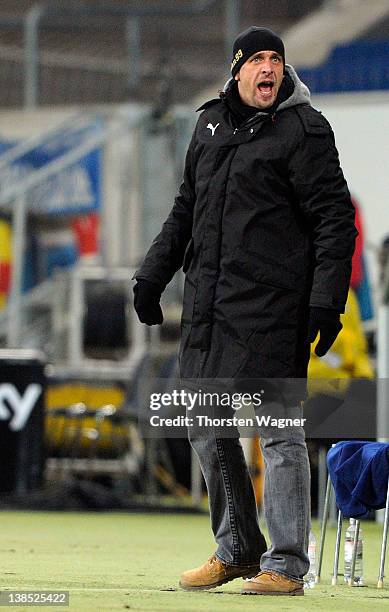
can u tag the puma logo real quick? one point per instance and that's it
(210, 127)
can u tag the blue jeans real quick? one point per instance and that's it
(232, 503)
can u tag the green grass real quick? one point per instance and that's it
(113, 561)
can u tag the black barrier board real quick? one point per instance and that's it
(22, 387)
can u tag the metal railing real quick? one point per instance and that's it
(14, 198)
(133, 15)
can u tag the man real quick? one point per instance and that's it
(263, 227)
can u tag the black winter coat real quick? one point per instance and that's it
(263, 225)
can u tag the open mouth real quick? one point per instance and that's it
(265, 87)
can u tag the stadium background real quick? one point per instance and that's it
(97, 106)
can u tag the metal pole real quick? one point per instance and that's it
(133, 51)
(333, 513)
(232, 20)
(380, 584)
(322, 479)
(337, 550)
(77, 305)
(31, 56)
(142, 147)
(15, 299)
(134, 230)
(323, 528)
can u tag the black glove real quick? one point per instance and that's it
(327, 322)
(146, 302)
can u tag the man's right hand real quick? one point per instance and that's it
(146, 302)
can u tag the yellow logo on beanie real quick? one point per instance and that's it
(237, 57)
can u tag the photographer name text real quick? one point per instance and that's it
(202, 420)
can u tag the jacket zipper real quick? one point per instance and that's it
(246, 123)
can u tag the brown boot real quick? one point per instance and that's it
(214, 573)
(271, 583)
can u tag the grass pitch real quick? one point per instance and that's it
(114, 561)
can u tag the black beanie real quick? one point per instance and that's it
(252, 40)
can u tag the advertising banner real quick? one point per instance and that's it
(22, 386)
(73, 190)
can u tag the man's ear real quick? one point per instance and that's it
(237, 76)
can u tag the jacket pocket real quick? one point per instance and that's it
(266, 270)
(188, 256)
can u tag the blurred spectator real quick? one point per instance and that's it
(384, 258)
(86, 230)
(347, 358)
(359, 275)
(5, 260)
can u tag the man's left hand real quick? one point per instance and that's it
(327, 322)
